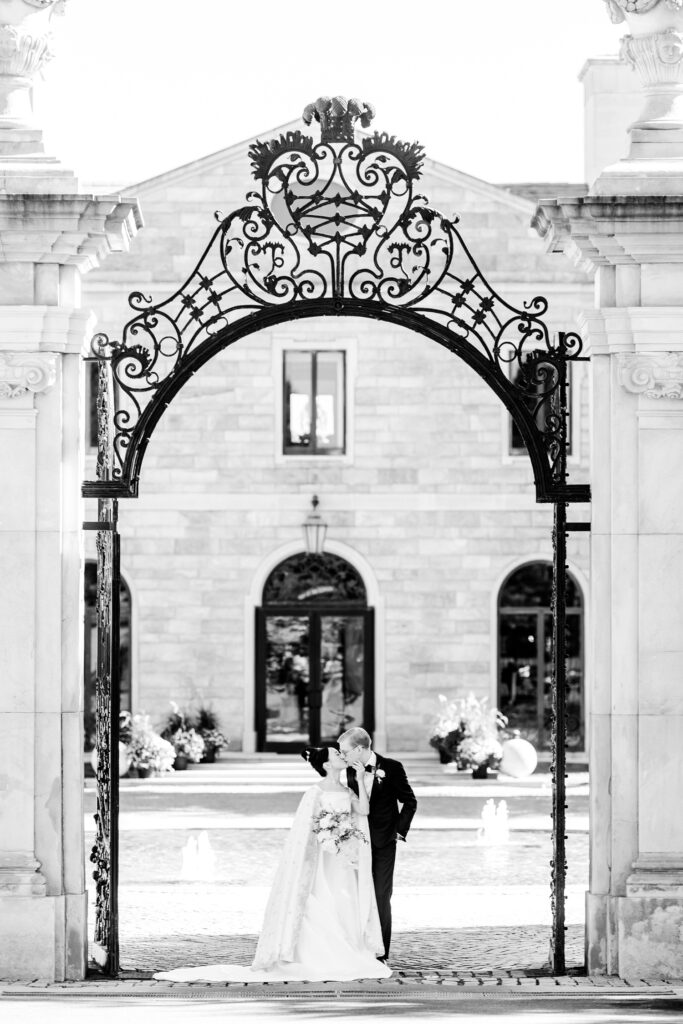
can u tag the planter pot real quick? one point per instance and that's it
(480, 772)
(144, 773)
(180, 763)
(209, 755)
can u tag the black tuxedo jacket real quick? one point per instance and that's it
(386, 821)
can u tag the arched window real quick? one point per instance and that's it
(90, 651)
(525, 655)
(314, 653)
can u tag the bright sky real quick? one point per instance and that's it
(487, 86)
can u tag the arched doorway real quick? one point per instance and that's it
(525, 655)
(90, 652)
(314, 653)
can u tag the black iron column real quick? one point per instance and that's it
(559, 724)
(105, 851)
(104, 854)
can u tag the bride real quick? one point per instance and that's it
(321, 921)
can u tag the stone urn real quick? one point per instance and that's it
(25, 48)
(654, 48)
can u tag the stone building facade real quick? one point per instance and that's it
(429, 500)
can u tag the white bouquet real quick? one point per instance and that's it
(337, 833)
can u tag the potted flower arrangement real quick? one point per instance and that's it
(188, 746)
(149, 752)
(468, 732)
(447, 731)
(206, 724)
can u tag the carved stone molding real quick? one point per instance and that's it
(655, 375)
(21, 372)
(21, 875)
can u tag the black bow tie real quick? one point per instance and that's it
(369, 768)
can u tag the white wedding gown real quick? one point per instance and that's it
(321, 921)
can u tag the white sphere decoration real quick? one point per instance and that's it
(124, 759)
(519, 758)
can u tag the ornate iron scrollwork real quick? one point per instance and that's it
(302, 579)
(335, 226)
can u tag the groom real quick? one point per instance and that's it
(387, 787)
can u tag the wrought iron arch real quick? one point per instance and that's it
(536, 385)
(336, 228)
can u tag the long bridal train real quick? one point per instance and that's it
(321, 921)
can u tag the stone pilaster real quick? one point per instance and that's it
(49, 242)
(634, 244)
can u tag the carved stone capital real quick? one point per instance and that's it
(655, 375)
(21, 372)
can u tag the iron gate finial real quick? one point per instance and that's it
(337, 116)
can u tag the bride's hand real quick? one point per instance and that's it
(358, 767)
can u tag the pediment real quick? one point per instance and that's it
(461, 191)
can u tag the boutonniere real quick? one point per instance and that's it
(379, 774)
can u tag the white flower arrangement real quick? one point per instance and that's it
(146, 747)
(336, 833)
(466, 730)
(189, 743)
(380, 775)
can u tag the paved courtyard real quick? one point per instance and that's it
(198, 850)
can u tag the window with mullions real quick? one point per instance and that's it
(516, 444)
(525, 655)
(314, 411)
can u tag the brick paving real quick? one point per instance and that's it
(474, 951)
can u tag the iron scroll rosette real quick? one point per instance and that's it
(336, 227)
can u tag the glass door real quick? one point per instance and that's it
(286, 641)
(314, 677)
(342, 674)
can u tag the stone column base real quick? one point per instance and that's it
(43, 937)
(635, 936)
(601, 935)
